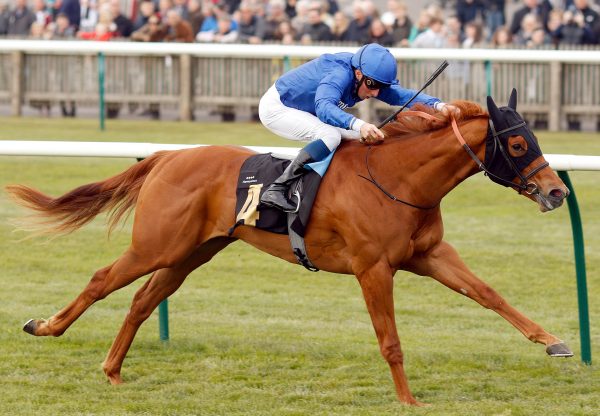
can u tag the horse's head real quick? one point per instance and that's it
(513, 157)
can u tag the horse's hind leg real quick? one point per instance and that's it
(129, 267)
(162, 284)
(443, 264)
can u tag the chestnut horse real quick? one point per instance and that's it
(185, 204)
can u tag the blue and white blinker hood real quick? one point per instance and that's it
(502, 168)
(376, 62)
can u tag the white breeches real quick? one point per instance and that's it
(294, 124)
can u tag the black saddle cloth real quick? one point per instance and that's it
(256, 174)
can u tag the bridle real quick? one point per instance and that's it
(529, 188)
(493, 138)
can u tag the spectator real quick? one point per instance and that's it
(209, 17)
(101, 33)
(124, 25)
(402, 25)
(88, 15)
(275, 15)
(468, 11)
(389, 15)
(370, 9)
(555, 21)
(433, 37)
(494, 15)
(212, 14)
(539, 39)
(340, 26)
(570, 31)
(178, 30)
(195, 15)
(20, 19)
(473, 35)
(454, 26)
(62, 27)
(152, 31)
(42, 15)
(287, 34)
(591, 20)
(539, 8)
(224, 33)
(146, 10)
(421, 26)
(163, 9)
(37, 31)
(358, 30)
(502, 37)
(316, 30)
(379, 34)
(529, 23)
(72, 9)
(251, 27)
(301, 17)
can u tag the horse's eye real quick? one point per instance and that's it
(517, 147)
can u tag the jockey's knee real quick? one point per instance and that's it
(330, 136)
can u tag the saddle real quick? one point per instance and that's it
(256, 174)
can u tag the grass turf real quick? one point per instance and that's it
(253, 335)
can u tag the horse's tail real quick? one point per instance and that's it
(71, 211)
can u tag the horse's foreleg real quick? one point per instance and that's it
(162, 284)
(129, 267)
(377, 287)
(444, 265)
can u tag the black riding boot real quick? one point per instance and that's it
(276, 195)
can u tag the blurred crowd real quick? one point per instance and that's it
(446, 23)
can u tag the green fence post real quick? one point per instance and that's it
(488, 77)
(163, 320)
(287, 64)
(101, 70)
(579, 249)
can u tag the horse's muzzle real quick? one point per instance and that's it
(553, 199)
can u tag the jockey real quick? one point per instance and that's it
(307, 104)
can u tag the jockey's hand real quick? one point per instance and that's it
(370, 134)
(449, 109)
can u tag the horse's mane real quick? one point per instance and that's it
(406, 123)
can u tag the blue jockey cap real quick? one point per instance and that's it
(376, 62)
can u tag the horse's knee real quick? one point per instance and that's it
(392, 353)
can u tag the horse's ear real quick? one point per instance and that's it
(512, 101)
(493, 109)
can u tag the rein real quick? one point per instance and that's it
(525, 186)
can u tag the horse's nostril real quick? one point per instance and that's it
(557, 193)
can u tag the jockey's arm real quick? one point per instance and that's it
(396, 95)
(327, 98)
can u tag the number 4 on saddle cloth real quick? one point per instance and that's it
(256, 174)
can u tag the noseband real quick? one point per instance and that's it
(493, 138)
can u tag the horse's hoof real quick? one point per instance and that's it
(559, 350)
(30, 326)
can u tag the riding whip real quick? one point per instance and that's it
(427, 83)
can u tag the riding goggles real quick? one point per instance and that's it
(374, 84)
